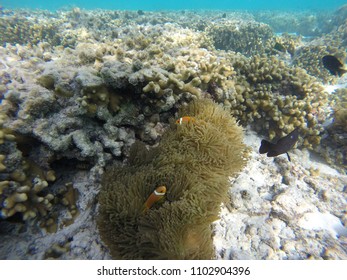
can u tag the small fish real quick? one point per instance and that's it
(185, 119)
(334, 66)
(156, 196)
(280, 47)
(282, 146)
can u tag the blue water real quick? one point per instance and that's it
(178, 4)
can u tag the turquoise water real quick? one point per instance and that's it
(177, 4)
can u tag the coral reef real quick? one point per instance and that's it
(22, 183)
(309, 57)
(194, 161)
(95, 99)
(78, 88)
(334, 145)
(338, 19)
(91, 114)
(277, 98)
(306, 23)
(245, 37)
(285, 43)
(18, 29)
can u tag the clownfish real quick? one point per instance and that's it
(157, 195)
(185, 119)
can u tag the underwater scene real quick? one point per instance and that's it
(173, 130)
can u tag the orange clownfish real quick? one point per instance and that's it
(156, 195)
(185, 119)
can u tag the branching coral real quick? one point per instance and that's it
(334, 43)
(25, 187)
(277, 98)
(282, 44)
(187, 75)
(194, 161)
(246, 37)
(310, 59)
(127, 82)
(23, 183)
(334, 146)
(20, 30)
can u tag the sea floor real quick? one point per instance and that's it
(284, 210)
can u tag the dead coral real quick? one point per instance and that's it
(194, 162)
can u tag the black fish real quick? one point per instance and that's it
(334, 65)
(282, 146)
(279, 47)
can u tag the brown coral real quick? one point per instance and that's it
(276, 98)
(246, 37)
